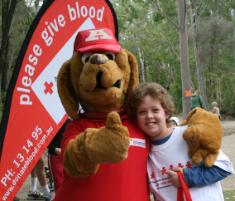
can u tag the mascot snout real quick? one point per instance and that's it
(98, 59)
(100, 71)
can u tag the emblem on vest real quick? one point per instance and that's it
(137, 142)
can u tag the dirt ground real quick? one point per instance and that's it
(227, 146)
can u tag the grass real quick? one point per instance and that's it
(229, 195)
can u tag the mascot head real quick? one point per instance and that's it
(99, 75)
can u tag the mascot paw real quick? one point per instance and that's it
(108, 144)
(203, 155)
(197, 157)
(210, 159)
(114, 122)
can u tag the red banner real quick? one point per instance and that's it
(33, 112)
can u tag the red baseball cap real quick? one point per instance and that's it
(96, 40)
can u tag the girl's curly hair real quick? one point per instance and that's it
(156, 91)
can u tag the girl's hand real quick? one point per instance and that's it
(174, 177)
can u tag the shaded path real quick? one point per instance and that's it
(228, 148)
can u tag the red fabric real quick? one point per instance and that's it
(183, 190)
(56, 169)
(96, 40)
(122, 181)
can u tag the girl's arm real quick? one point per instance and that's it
(198, 176)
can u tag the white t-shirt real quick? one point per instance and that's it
(173, 154)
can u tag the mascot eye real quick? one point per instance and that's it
(85, 57)
(110, 55)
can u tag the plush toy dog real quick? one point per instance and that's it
(104, 154)
(203, 146)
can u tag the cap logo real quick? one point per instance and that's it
(92, 40)
(97, 35)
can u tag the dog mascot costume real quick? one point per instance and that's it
(104, 153)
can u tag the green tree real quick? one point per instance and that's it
(8, 9)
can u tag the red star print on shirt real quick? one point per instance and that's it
(180, 165)
(171, 167)
(188, 164)
(163, 170)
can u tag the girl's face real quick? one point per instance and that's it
(151, 118)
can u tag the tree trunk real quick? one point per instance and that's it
(199, 65)
(8, 9)
(5, 70)
(185, 73)
(141, 67)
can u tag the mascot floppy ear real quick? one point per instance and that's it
(134, 76)
(66, 92)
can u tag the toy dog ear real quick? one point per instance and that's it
(134, 77)
(66, 92)
(189, 116)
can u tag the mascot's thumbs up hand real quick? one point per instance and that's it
(108, 144)
(203, 135)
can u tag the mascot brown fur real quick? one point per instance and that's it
(203, 146)
(106, 159)
(78, 84)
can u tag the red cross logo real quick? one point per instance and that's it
(48, 87)
(163, 170)
(180, 165)
(171, 167)
(188, 164)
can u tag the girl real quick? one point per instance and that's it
(151, 106)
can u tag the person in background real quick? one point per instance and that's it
(215, 109)
(54, 158)
(196, 100)
(151, 107)
(38, 173)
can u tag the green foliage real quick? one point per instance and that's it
(157, 17)
(159, 42)
(20, 25)
(155, 32)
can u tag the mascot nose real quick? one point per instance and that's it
(98, 59)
